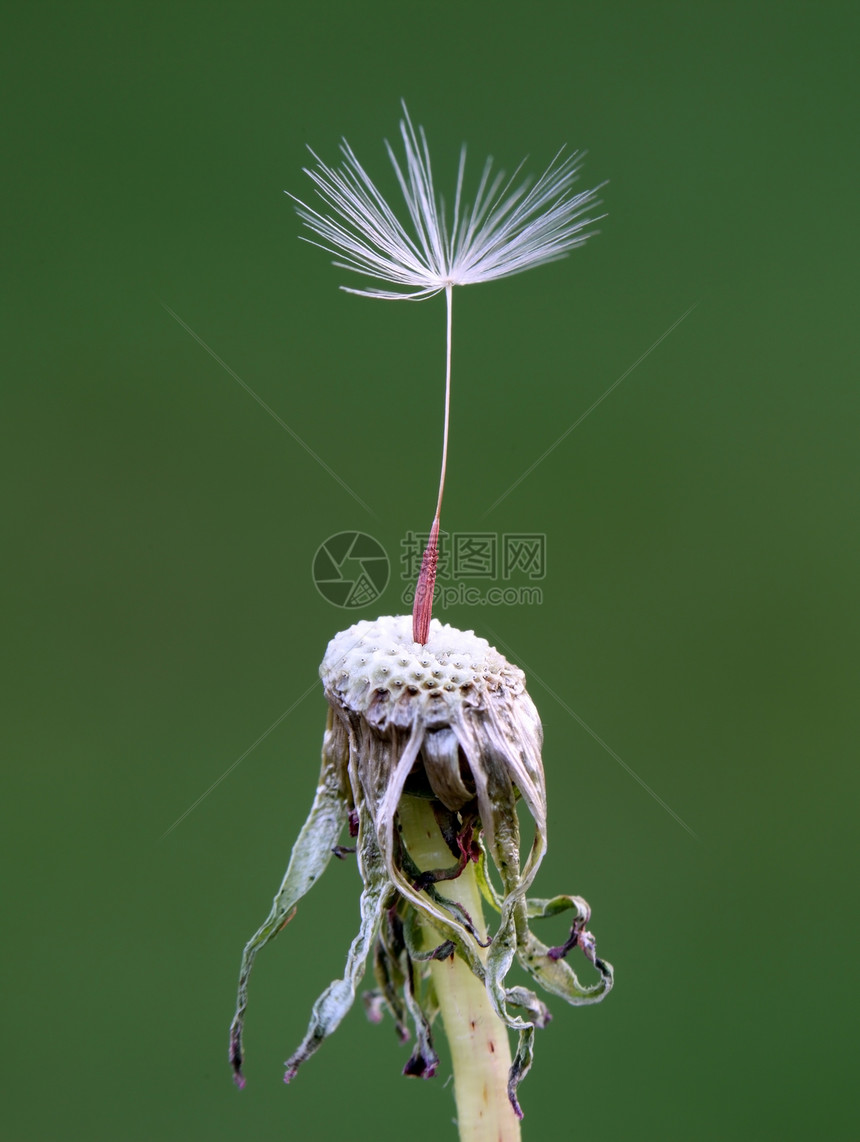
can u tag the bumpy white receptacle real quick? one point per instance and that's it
(379, 657)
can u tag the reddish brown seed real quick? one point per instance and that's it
(422, 609)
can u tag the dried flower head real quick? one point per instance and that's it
(448, 724)
(508, 228)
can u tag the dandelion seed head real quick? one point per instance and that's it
(448, 722)
(423, 716)
(509, 227)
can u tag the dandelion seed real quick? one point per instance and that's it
(509, 227)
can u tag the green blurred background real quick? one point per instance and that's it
(700, 605)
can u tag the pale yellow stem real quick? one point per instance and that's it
(480, 1051)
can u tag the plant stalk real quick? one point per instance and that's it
(480, 1050)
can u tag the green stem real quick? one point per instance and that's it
(480, 1051)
